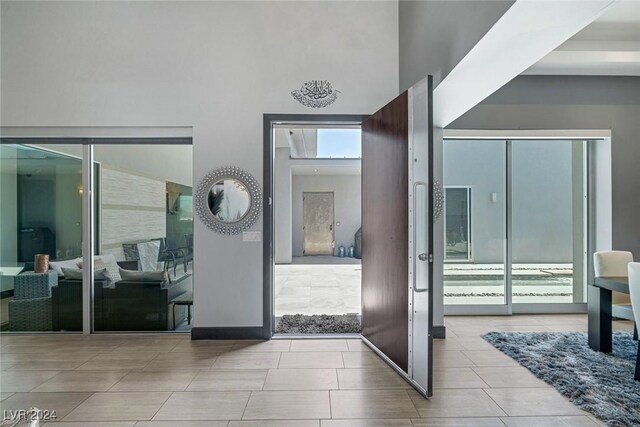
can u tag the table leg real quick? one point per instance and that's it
(189, 314)
(174, 316)
(600, 328)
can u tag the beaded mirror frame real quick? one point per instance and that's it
(255, 200)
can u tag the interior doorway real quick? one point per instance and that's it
(316, 207)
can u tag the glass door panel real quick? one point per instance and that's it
(145, 218)
(40, 213)
(475, 218)
(548, 189)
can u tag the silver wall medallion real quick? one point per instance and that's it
(228, 200)
(438, 200)
(316, 94)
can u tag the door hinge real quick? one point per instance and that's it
(431, 258)
(270, 200)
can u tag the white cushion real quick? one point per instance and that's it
(107, 261)
(69, 263)
(76, 274)
(611, 263)
(145, 276)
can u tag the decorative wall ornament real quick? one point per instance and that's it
(438, 200)
(316, 94)
(228, 200)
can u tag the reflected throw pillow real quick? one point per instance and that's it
(144, 276)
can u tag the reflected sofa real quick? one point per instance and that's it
(126, 305)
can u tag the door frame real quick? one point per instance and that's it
(268, 224)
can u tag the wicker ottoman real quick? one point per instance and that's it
(30, 309)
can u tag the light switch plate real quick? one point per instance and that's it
(251, 236)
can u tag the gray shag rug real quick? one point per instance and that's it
(318, 324)
(599, 383)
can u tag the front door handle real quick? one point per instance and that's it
(418, 217)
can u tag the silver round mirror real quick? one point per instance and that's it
(228, 200)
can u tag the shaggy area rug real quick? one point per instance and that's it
(599, 383)
(318, 324)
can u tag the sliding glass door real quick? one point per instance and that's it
(515, 225)
(114, 220)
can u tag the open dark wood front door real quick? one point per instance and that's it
(397, 234)
(385, 224)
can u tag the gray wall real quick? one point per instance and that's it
(541, 202)
(578, 102)
(436, 35)
(214, 66)
(346, 198)
(542, 211)
(480, 164)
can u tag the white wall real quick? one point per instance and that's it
(215, 66)
(346, 191)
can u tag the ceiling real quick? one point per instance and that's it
(609, 46)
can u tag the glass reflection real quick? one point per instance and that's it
(228, 200)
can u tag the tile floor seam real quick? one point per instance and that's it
(330, 408)
(473, 368)
(75, 407)
(494, 401)
(246, 405)
(160, 407)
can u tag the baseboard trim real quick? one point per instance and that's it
(227, 333)
(439, 332)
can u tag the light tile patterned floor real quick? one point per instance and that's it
(170, 381)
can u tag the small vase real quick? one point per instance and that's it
(41, 263)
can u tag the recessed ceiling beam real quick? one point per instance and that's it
(526, 33)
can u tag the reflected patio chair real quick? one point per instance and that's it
(170, 255)
(189, 248)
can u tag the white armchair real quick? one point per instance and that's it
(634, 290)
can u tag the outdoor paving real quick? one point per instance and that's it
(330, 285)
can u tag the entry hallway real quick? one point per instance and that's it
(168, 380)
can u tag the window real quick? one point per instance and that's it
(458, 223)
(305, 142)
(339, 143)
